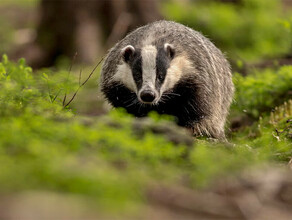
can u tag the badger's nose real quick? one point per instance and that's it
(147, 96)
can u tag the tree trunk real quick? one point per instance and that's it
(86, 27)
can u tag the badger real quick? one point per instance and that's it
(171, 69)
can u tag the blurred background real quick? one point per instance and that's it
(85, 161)
(47, 31)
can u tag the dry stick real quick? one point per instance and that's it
(70, 68)
(89, 76)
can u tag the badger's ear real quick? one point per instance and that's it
(128, 52)
(169, 49)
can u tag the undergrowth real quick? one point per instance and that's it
(44, 146)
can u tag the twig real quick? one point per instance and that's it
(54, 99)
(89, 76)
(69, 72)
(92, 72)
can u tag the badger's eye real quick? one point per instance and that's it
(160, 77)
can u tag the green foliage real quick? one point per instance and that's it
(23, 93)
(45, 147)
(250, 30)
(281, 119)
(262, 91)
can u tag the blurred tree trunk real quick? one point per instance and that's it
(87, 27)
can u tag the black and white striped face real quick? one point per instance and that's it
(149, 71)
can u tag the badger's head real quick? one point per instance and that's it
(150, 71)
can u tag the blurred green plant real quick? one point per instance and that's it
(260, 92)
(249, 30)
(22, 92)
(44, 146)
(281, 119)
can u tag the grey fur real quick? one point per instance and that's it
(209, 70)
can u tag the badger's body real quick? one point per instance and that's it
(172, 69)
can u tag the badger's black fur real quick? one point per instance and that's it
(188, 78)
(181, 102)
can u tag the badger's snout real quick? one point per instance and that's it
(147, 96)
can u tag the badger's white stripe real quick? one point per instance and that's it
(149, 54)
(124, 75)
(178, 66)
